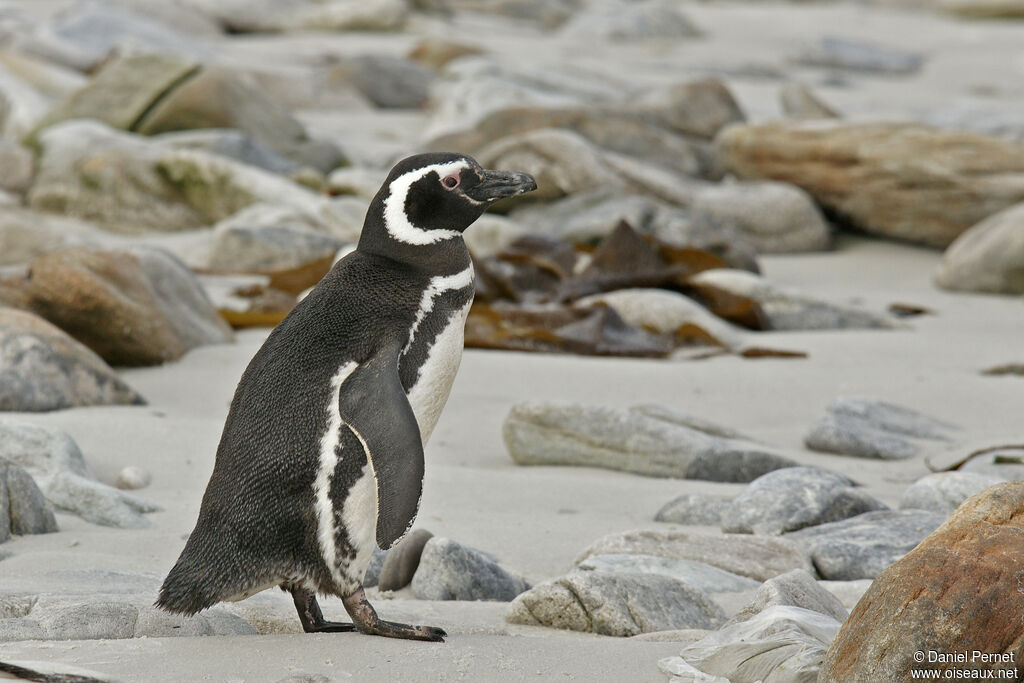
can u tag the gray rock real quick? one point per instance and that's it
(266, 237)
(988, 257)
(391, 82)
(782, 643)
(588, 216)
(794, 498)
(685, 228)
(1004, 123)
(795, 589)
(632, 22)
(305, 678)
(123, 91)
(23, 508)
(868, 428)
(788, 309)
(798, 102)
(550, 434)
(847, 592)
(132, 477)
(26, 234)
(89, 621)
(698, 108)
(156, 623)
(615, 604)
(493, 233)
(450, 571)
(944, 491)
(13, 605)
(56, 464)
(774, 217)
(88, 33)
(246, 16)
(838, 53)
(21, 628)
(233, 144)
(697, 574)
(355, 180)
(757, 557)
(372, 575)
(694, 508)
(666, 414)
(548, 13)
(402, 561)
(42, 368)
(862, 547)
(669, 312)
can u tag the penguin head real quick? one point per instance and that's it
(432, 198)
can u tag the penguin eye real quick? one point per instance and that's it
(451, 181)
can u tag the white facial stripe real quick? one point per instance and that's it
(437, 286)
(397, 223)
(326, 524)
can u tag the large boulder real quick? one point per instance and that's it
(136, 306)
(42, 368)
(245, 16)
(957, 594)
(989, 257)
(23, 508)
(451, 571)
(902, 180)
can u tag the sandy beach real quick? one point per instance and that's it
(537, 519)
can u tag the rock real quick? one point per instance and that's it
(587, 216)
(956, 592)
(562, 162)
(155, 623)
(249, 16)
(868, 428)
(42, 368)
(615, 604)
(666, 414)
(372, 575)
(669, 312)
(773, 217)
(92, 172)
(698, 108)
(23, 508)
(903, 180)
(694, 508)
(798, 102)
(390, 82)
(138, 306)
(26, 234)
(847, 592)
(435, 52)
(794, 589)
(86, 34)
(89, 621)
(362, 182)
(215, 97)
(550, 434)
(649, 20)
(21, 105)
(450, 571)
(988, 257)
(268, 237)
(56, 464)
(492, 234)
(132, 477)
(837, 53)
(984, 9)
(402, 561)
(20, 628)
(786, 308)
(548, 13)
(17, 166)
(697, 574)
(794, 498)
(862, 547)
(122, 92)
(782, 643)
(944, 491)
(233, 144)
(757, 557)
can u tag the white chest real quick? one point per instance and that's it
(428, 396)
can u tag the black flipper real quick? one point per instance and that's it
(373, 404)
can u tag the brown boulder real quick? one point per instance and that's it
(138, 306)
(957, 594)
(903, 180)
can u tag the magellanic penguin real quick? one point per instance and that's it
(321, 458)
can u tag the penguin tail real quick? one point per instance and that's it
(183, 592)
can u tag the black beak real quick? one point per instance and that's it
(500, 184)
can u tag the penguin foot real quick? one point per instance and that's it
(367, 621)
(310, 615)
